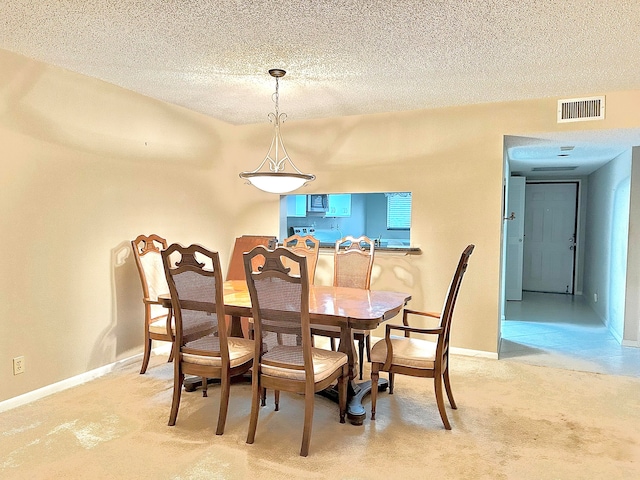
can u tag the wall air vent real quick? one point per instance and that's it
(554, 169)
(581, 109)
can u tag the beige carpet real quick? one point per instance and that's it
(514, 421)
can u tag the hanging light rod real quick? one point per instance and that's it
(271, 176)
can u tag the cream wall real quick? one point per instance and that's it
(87, 166)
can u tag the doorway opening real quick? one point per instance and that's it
(583, 319)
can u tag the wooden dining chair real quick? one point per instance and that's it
(352, 266)
(158, 321)
(307, 246)
(417, 357)
(203, 347)
(285, 359)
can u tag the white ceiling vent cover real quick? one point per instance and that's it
(581, 109)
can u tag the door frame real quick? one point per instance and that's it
(576, 225)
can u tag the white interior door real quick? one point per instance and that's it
(549, 237)
(515, 237)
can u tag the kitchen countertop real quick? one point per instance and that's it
(403, 250)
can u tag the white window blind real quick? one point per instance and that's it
(398, 211)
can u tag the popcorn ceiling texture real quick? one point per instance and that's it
(343, 57)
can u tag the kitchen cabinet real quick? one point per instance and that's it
(296, 205)
(339, 205)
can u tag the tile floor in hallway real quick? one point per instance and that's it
(563, 331)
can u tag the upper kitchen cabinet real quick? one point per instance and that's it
(296, 205)
(339, 205)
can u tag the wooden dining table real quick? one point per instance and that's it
(347, 308)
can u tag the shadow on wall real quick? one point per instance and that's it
(125, 334)
(387, 273)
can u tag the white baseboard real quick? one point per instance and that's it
(74, 381)
(473, 353)
(630, 343)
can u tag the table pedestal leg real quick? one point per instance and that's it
(355, 411)
(355, 393)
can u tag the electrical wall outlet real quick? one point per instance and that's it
(18, 365)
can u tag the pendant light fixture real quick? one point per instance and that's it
(271, 175)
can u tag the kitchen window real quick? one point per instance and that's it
(398, 210)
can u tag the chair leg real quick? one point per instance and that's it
(440, 401)
(342, 392)
(175, 404)
(361, 355)
(391, 379)
(276, 399)
(263, 397)
(205, 385)
(225, 384)
(147, 355)
(172, 354)
(308, 421)
(255, 409)
(368, 342)
(374, 389)
(447, 386)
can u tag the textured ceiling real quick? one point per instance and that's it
(343, 57)
(346, 57)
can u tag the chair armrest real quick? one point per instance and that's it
(407, 329)
(405, 319)
(416, 312)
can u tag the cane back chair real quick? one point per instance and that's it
(284, 357)
(352, 265)
(203, 347)
(158, 321)
(307, 246)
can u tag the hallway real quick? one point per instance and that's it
(563, 331)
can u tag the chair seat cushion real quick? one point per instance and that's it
(325, 362)
(159, 325)
(407, 352)
(206, 351)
